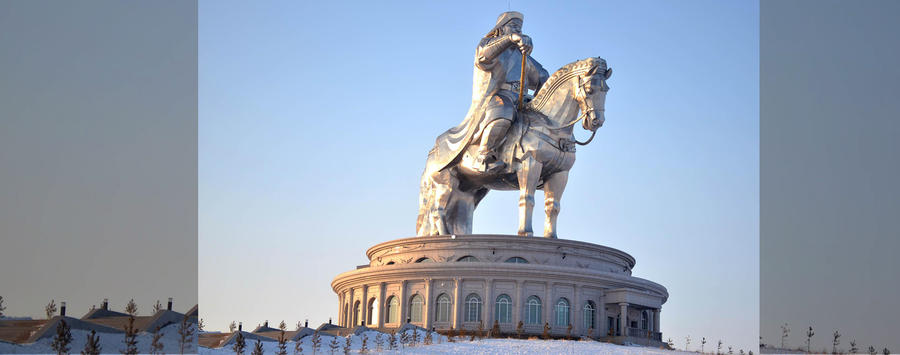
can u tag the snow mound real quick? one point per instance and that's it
(110, 343)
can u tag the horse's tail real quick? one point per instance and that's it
(426, 201)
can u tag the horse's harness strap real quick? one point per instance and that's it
(563, 144)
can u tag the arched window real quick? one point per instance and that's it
(562, 312)
(644, 320)
(443, 308)
(424, 260)
(473, 308)
(503, 309)
(415, 308)
(370, 308)
(517, 260)
(533, 310)
(467, 258)
(393, 310)
(356, 309)
(588, 315)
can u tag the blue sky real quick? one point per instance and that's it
(315, 120)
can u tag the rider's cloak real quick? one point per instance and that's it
(487, 78)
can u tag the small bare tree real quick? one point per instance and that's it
(378, 347)
(520, 329)
(316, 342)
(569, 332)
(232, 327)
(298, 347)
(872, 350)
(156, 345)
(334, 345)
(404, 338)
(258, 348)
(282, 343)
(546, 333)
(2, 307)
(347, 345)
(687, 343)
(730, 351)
(62, 339)
(131, 308)
(702, 344)
(835, 342)
(130, 339)
(853, 348)
(415, 336)
(50, 309)
(92, 344)
(392, 341)
(809, 335)
(785, 330)
(364, 347)
(282, 326)
(200, 325)
(886, 351)
(495, 329)
(157, 307)
(719, 348)
(670, 343)
(239, 344)
(185, 333)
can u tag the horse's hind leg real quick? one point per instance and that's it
(528, 176)
(554, 186)
(444, 184)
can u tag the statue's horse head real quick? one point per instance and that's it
(577, 86)
(591, 93)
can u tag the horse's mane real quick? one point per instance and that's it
(563, 75)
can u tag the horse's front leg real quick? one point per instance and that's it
(528, 177)
(554, 186)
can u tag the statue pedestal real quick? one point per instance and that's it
(462, 281)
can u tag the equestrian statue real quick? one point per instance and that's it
(508, 139)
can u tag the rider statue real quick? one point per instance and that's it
(495, 93)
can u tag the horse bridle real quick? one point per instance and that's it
(584, 105)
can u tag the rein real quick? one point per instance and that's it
(567, 125)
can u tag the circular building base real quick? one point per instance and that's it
(479, 281)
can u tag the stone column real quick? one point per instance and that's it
(351, 311)
(623, 318)
(548, 306)
(340, 317)
(381, 315)
(656, 319)
(426, 314)
(577, 317)
(518, 304)
(364, 307)
(487, 307)
(457, 303)
(404, 308)
(601, 314)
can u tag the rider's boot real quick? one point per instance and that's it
(487, 161)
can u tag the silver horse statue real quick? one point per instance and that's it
(539, 151)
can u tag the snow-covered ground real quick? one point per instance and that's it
(440, 345)
(110, 343)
